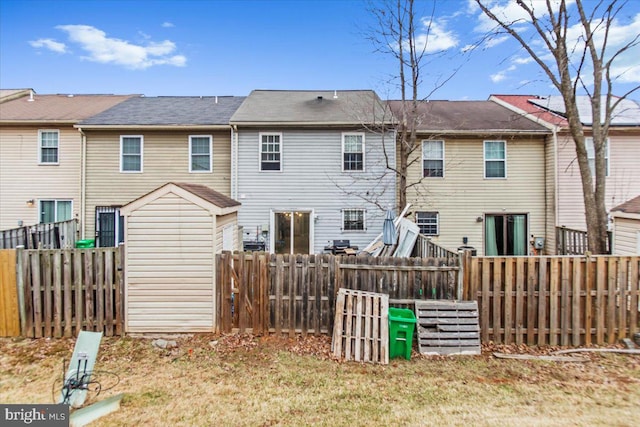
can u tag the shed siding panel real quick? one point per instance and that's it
(312, 178)
(464, 194)
(170, 285)
(225, 221)
(626, 234)
(623, 182)
(22, 178)
(166, 159)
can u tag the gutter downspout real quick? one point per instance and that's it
(555, 177)
(83, 180)
(234, 162)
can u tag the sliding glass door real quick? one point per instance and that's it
(505, 234)
(292, 232)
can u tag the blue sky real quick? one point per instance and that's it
(232, 47)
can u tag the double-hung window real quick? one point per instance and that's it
(353, 220)
(495, 159)
(55, 210)
(352, 152)
(270, 151)
(591, 155)
(49, 144)
(428, 223)
(131, 149)
(433, 159)
(200, 158)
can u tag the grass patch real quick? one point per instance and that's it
(249, 381)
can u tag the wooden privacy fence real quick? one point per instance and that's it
(9, 310)
(295, 294)
(555, 300)
(69, 290)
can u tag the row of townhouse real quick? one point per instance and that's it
(308, 167)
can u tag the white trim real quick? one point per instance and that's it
(364, 220)
(280, 144)
(484, 159)
(40, 147)
(364, 162)
(437, 222)
(141, 152)
(272, 223)
(55, 209)
(442, 159)
(210, 153)
(606, 156)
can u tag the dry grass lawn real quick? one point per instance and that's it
(249, 381)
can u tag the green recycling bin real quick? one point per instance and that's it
(401, 325)
(86, 243)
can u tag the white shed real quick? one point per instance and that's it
(626, 228)
(171, 237)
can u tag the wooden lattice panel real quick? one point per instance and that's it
(361, 327)
(448, 327)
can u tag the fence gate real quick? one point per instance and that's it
(9, 314)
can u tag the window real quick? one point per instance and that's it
(353, 220)
(591, 155)
(55, 210)
(270, 151)
(428, 223)
(353, 152)
(495, 159)
(433, 159)
(200, 153)
(49, 146)
(131, 153)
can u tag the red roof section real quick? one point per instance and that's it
(630, 206)
(521, 102)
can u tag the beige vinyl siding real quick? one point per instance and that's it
(626, 236)
(166, 159)
(23, 178)
(464, 194)
(222, 222)
(623, 182)
(170, 267)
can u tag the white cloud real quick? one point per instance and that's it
(434, 37)
(167, 25)
(509, 11)
(49, 44)
(499, 76)
(107, 50)
(522, 60)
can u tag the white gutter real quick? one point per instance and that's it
(83, 181)
(234, 162)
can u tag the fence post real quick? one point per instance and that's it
(461, 262)
(20, 285)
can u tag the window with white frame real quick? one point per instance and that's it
(432, 159)
(353, 220)
(352, 151)
(591, 155)
(131, 148)
(200, 158)
(428, 223)
(49, 144)
(270, 151)
(55, 210)
(495, 159)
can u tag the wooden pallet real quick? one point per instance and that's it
(448, 327)
(361, 327)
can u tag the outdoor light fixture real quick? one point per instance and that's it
(479, 219)
(30, 203)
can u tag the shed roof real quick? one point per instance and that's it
(468, 117)
(56, 108)
(209, 194)
(630, 206)
(168, 111)
(309, 107)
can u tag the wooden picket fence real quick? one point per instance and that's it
(559, 300)
(295, 294)
(69, 290)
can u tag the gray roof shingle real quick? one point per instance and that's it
(169, 110)
(468, 116)
(307, 107)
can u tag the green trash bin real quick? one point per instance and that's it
(401, 325)
(86, 243)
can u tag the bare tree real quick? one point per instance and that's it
(404, 33)
(578, 65)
